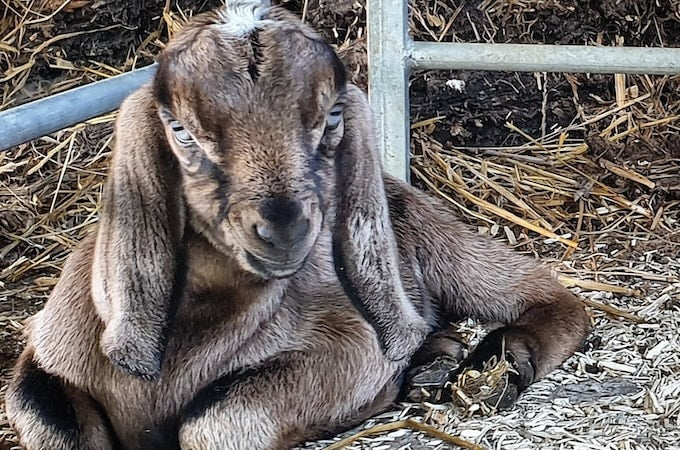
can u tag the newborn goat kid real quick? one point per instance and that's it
(255, 279)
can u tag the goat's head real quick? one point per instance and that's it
(252, 103)
(269, 141)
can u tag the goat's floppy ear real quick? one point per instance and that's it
(364, 246)
(138, 250)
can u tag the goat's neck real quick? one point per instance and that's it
(210, 268)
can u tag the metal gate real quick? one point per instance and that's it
(392, 54)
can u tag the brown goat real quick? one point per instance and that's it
(255, 279)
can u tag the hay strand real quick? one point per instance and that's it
(408, 423)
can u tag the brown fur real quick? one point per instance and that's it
(165, 331)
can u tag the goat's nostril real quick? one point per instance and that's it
(282, 237)
(263, 232)
(282, 223)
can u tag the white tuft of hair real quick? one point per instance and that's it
(240, 17)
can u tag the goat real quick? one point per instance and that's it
(255, 279)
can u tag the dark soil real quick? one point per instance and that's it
(133, 21)
(477, 116)
(639, 23)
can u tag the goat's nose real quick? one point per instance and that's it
(283, 223)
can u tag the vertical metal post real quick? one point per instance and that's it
(388, 43)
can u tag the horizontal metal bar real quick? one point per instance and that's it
(544, 58)
(41, 117)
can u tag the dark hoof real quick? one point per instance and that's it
(504, 373)
(428, 382)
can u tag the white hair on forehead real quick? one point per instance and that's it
(242, 16)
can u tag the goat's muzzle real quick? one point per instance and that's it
(277, 232)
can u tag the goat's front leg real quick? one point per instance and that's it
(48, 413)
(293, 397)
(473, 276)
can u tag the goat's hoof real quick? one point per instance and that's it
(428, 382)
(505, 344)
(495, 386)
(502, 363)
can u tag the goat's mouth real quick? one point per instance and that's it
(275, 268)
(275, 248)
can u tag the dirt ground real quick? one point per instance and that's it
(592, 159)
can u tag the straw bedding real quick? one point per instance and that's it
(582, 170)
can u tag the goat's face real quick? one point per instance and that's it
(252, 102)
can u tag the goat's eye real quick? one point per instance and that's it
(334, 116)
(182, 135)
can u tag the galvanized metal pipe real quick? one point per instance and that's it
(544, 58)
(44, 116)
(388, 81)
